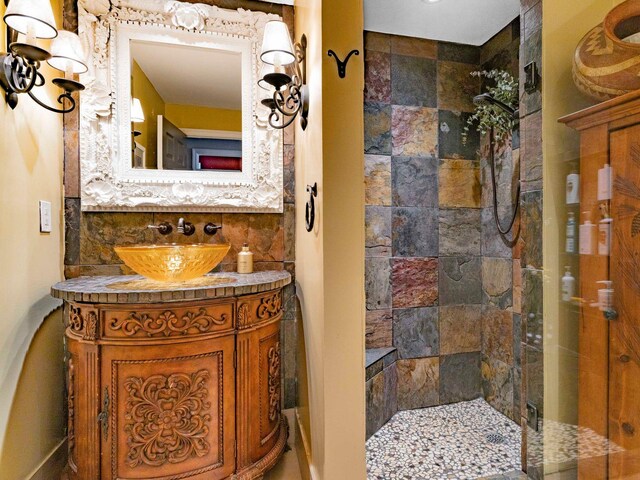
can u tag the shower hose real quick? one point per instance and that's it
(502, 231)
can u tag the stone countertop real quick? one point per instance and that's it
(137, 289)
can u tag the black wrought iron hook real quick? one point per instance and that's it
(310, 209)
(342, 65)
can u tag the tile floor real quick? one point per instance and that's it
(287, 468)
(445, 443)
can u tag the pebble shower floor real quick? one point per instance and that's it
(462, 441)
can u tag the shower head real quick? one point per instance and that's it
(486, 98)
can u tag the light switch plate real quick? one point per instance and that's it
(45, 216)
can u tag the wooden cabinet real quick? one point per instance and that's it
(176, 390)
(609, 335)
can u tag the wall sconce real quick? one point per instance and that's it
(19, 68)
(290, 92)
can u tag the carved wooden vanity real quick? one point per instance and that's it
(174, 383)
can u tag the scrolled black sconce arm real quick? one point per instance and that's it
(20, 66)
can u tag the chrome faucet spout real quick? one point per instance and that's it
(181, 225)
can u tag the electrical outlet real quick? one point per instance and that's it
(45, 216)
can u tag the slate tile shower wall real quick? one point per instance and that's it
(90, 237)
(501, 293)
(442, 286)
(423, 216)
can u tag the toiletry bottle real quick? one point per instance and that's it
(573, 188)
(605, 295)
(587, 230)
(604, 182)
(245, 260)
(568, 285)
(570, 246)
(604, 231)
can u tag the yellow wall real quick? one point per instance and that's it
(564, 25)
(152, 106)
(31, 406)
(331, 279)
(204, 118)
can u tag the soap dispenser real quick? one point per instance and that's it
(245, 260)
(568, 285)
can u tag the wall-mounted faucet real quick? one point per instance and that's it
(186, 228)
(163, 228)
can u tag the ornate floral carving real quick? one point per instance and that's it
(85, 325)
(274, 382)
(270, 306)
(167, 418)
(167, 323)
(107, 182)
(244, 315)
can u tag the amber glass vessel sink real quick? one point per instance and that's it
(172, 262)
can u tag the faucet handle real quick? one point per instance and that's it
(189, 229)
(211, 228)
(163, 228)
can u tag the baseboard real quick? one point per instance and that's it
(302, 449)
(52, 465)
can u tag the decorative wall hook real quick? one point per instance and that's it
(342, 65)
(310, 210)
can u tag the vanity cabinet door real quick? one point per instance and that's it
(258, 383)
(169, 410)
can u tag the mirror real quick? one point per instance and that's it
(187, 107)
(171, 119)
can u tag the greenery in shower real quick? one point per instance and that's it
(504, 88)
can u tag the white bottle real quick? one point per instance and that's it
(568, 286)
(604, 231)
(245, 260)
(587, 230)
(605, 295)
(604, 182)
(573, 188)
(570, 246)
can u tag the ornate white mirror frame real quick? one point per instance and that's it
(108, 181)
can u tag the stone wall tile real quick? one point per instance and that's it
(415, 332)
(460, 280)
(418, 383)
(379, 329)
(460, 377)
(456, 86)
(377, 230)
(415, 232)
(413, 81)
(377, 128)
(377, 180)
(377, 76)
(460, 231)
(414, 282)
(414, 181)
(450, 129)
(377, 283)
(414, 131)
(459, 184)
(460, 329)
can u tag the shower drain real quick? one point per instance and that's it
(496, 438)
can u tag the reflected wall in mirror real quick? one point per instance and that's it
(171, 119)
(191, 103)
